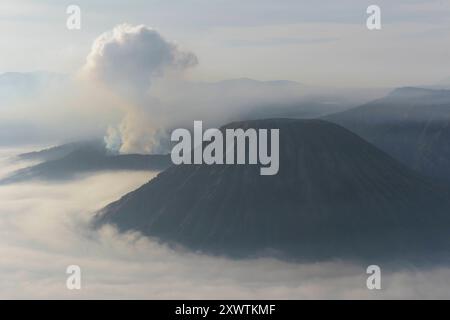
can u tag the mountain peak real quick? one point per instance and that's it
(334, 195)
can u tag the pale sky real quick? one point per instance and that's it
(318, 43)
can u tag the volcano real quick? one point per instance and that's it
(335, 195)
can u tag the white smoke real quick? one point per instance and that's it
(127, 60)
(129, 57)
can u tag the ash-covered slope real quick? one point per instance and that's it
(335, 195)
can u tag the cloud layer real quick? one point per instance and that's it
(45, 227)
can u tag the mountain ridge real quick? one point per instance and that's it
(335, 195)
(414, 128)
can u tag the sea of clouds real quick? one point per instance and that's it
(44, 227)
(132, 89)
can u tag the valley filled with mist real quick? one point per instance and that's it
(44, 226)
(356, 174)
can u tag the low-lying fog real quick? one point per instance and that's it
(44, 228)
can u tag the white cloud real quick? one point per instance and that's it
(44, 228)
(129, 57)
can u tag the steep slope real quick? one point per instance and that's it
(335, 195)
(411, 124)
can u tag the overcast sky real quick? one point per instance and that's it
(318, 43)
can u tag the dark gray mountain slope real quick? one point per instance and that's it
(60, 151)
(411, 124)
(335, 195)
(86, 157)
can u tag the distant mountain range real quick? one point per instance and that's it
(214, 102)
(335, 196)
(68, 160)
(411, 124)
